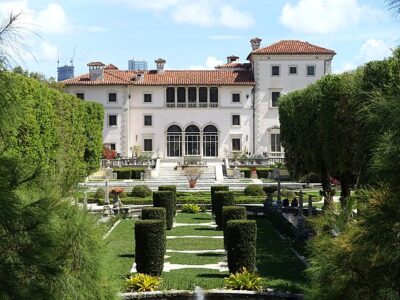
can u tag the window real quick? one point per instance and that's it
(181, 95)
(235, 120)
(213, 95)
(80, 96)
(292, 70)
(236, 97)
(112, 120)
(310, 70)
(147, 98)
(192, 94)
(276, 142)
(236, 144)
(170, 95)
(148, 145)
(275, 71)
(113, 147)
(274, 98)
(112, 97)
(203, 95)
(148, 120)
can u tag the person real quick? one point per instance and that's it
(285, 203)
(295, 202)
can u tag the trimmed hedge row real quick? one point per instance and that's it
(171, 188)
(254, 190)
(166, 199)
(221, 199)
(128, 172)
(150, 244)
(154, 213)
(214, 189)
(141, 191)
(233, 213)
(261, 172)
(241, 236)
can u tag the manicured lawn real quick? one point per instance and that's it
(275, 261)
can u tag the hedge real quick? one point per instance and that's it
(154, 213)
(165, 199)
(45, 127)
(261, 172)
(253, 190)
(233, 213)
(241, 236)
(128, 172)
(171, 188)
(150, 244)
(221, 199)
(141, 191)
(214, 189)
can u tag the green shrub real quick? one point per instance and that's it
(270, 189)
(154, 213)
(253, 190)
(165, 199)
(233, 213)
(214, 189)
(222, 198)
(190, 208)
(128, 172)
(142, 283)
(99, 193)
(241, 244)
(150, 246)
(244, 280)
(263, 172)
(171, 188)
(141, 191)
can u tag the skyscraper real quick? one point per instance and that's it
(137, 64)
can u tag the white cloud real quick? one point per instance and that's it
(374, 49)
(95, 29)
(197, 13)
(210, 63)
(49, 52)
(53, 19)
(347, 66)
(223, 37)
(233, 18)
(155, 5)
(325, 16)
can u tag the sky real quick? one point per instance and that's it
(195, 34)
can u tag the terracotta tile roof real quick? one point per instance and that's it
(293, 47)
(148, 78)
(95, 64)
(111, 67)
(234, 65)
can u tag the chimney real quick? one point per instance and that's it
(160, 65)
(255, 44)
(95, 70)
(231, 58)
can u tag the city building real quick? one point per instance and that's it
(210, 113)
(137, 65)
(65, 72)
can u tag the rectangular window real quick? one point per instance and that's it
(235, 120)
(113, 147)
(181, 95)
(310, 70)
(112, 97)
(147, 98)
(236, 98)
(275, 71)
(203, 94)
(170, 95)
(292, 70)
(112, 120)
(148, 145)
(276, 142)
(192, 94)
(213, 95)
(80, 96)
(148, 120)
(236, 144)
(274, 98)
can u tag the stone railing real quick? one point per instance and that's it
(249, 162)
(127, 162)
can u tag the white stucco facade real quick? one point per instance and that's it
(242, 115)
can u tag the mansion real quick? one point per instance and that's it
(173, 113)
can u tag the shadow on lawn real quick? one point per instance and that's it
(205, 228)
(211, 254)
(211, 275)
(130, 255)
(201, 218)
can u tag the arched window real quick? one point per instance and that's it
(192, 140)
(174, 141)
(210, 141)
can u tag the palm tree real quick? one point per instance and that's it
(394, 5)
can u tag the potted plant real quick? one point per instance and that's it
(116, 192)
(193, 174)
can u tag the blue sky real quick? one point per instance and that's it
(197, 34)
